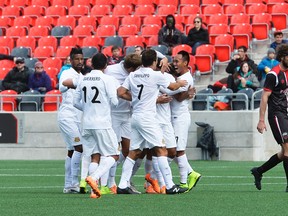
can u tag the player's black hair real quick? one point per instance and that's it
(281, 51)
(148, 57)
(99, 61)
(75, 50)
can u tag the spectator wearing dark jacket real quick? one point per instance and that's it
(278, 36)
(240, 57)
(169, 35)
(197, 35)
(17, 78)
(39, 80)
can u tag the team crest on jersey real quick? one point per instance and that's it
(163, 142)
(76, 139)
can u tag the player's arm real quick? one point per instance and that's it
(124, 93)
(77, 102)
(176, 85)
(263, 106)
(189, 94)
(112, 91)
(164, 98)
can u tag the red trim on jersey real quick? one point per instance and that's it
(266, 89)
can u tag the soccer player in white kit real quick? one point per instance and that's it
(95, 94)
(181, 121)
(69, 121)
(144, 86)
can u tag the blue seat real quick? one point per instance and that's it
(241, 101)
(201, 100)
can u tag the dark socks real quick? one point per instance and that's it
(285, 165)
(272, 162)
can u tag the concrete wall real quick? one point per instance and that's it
(235, 131)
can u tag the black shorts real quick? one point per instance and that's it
(279, 127)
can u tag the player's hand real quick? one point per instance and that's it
(182, 82)
(261, 126)
(164, 64)
(191, 92)
(164, 98)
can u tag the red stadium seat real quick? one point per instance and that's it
(110, 20)
(44, 52)
(178, 48)
(52, 72)
(127, 30)
(82, 2)
(270, 4)
(27, 41)
(66, 21)
(12, 11)
(164, 10)
(106, 31)
(45, 21)
(99, 11)
(132, 20)
(7, 42)
(6, 21)
(24, 21)
(4, 71)
(144, 10)
(242, 34)
(67, 3)
(63, 52)
(48, 41)
(82, 31)
(136, 40)
(4, 50)
(224, 46)
(39, 31)
(211, 9)
(279, 16)
(234, 9)
(88, 20)
(16, 32)
(216, 30)
(93, 41)
(204, 58)
(187, 10)
(7, 64)
(216, 19)
(69, 40)
(149, 30)
(122, 10)
(53, 62)
(42, 3)
(52, 100)
(153, 20)
(78, 10)
(18, 3)
(56, 11)
(152, 41)
(261, 25)
(168, 2)
(8, 100)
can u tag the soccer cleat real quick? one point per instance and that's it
(66, 190)
(150, 190)
(105, 190)
(134, 189)
(83, 185)
(94, 185)
(183, 185)
(71, 190)
(153, 182)
(163, 190)
(193, 179)
(176, 190)
(126, 190)
(257, 177)
(113, 189)
(93, 195)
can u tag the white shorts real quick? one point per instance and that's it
(102, 141)
(121, 124)
(168, 135)
(145, 132)
(71, 133)
(181, 126)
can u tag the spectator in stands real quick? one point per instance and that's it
(197, 35)
(116, 56)
(238, 58)
(243, 78)
(267, 63)
(169, 35)
(278, 36)
(138, 50)
(39, 80)
(17, 78)
(67, 65)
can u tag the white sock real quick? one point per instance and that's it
(92, 168)
(126, 172)
(68, 177)
(136, 166)
(112, 173)
(166, 171)
(157, 171)
(86, 160)
(121, 159)
(75, 167)
(104, 166)
(182, 164)
(189, 168)
(148, 166)
(104, 178)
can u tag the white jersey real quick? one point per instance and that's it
(163, 110)
(144, 86)
(118, 72)
(178, 108)
(67, 110)
(98, 92)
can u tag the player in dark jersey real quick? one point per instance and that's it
(275, 94)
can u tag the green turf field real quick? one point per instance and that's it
(226, 188)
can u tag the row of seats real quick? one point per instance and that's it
(30, 101)
(244, 99)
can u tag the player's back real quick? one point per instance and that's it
(97, 92)
(144, 86)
